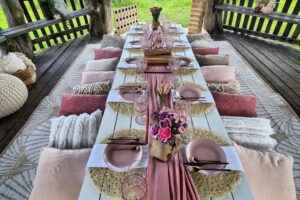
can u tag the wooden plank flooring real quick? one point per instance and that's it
(51, 64)
(277, 64)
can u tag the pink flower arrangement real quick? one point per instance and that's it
(167, 126)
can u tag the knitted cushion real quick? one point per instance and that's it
(76, 104)
(102, 54)
(270, 175)
(235, 104)
(218, 73)
(206, 51)
(230, 88)
(75, 132)
(251, 132)
(13, 94)
(108, 64)
(205, 60)
(93, 77)
(93, 88)
(202, 36)
(60, 174)
(112, 41)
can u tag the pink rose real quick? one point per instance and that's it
(164, 134)
(181, 129)
(154, 130)
(182, 118)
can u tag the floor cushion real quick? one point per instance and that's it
(235, 104)
(76, 104)
(270, 175)
(112, 41)
(108, 64)
(74, 132)
(218, 73)
(93, 88)
(11, 63)
(201, 44)
(205, 60)
(251, 132)
(230, 88)
(93, 77)
(60, 174)
(103, 54)
(206, 51)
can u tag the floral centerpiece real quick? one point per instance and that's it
(167, 126)
(155, 14)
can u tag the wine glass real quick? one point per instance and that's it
(134, 187)
(169, 41)
(141, 66)
(145, 43)
(183, 107)
(164, 17)
(145, 28)
(174, 66)
(140, 104)
(166, 27)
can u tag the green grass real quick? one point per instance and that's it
(178, 11)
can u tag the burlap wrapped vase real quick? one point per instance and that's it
(161, 151)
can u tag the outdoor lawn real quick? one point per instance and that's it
(178, 11)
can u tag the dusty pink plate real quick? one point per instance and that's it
(204, 149)
(121, 158)
(188, 92)
(129, 96)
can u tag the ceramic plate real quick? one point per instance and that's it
(122, 158)
(188, 91)
(205, 149)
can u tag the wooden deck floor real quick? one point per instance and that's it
(51, 64)
(277, 64)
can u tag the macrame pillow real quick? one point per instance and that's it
(202, 36)
(75, 132)
(103, 54)
(60, 174)
(93, 88)
(13, 94)
(252, 132)
(218, 73)
(205, 60)
(230, 88)
(93, 77)
(112, 41)
(76, 104)
(270, 175)
(206, 51)
(108, 64)
(235, 104)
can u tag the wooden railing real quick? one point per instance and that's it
(283, 24)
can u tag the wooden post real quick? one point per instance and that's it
(213, 18)
(15, 16)
(100, 21)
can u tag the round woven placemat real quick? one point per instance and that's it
(129, 72)
(109, 182)
(212, 186)
(125, 109)
(186, 83)
(186, 71)
(142, 84)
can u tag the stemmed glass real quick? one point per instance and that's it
(183, 107)
(164, 18)
(174, 66)
(141, 66)
(134, 187)
(145, 28)
(140, 105)
(166, 27)
(169, 41)
(145, 43)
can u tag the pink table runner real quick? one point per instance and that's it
(166, 180)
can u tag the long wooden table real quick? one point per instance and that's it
(112, 121)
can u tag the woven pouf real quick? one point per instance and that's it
(13, 94)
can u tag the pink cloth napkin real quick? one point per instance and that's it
(166, 180)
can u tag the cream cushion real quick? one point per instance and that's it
(201, 44)
(205, 60)
(13, 94)
(218, 73)
(108, 64)
(94, 76)
(60, 174)
(270, 175)
(11, 63)
(112, 41)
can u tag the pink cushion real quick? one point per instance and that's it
(103, 54)
(206, 51)
(218, 73)
(60, 174)
(76, 104)
(235, 104)
(93, 77)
